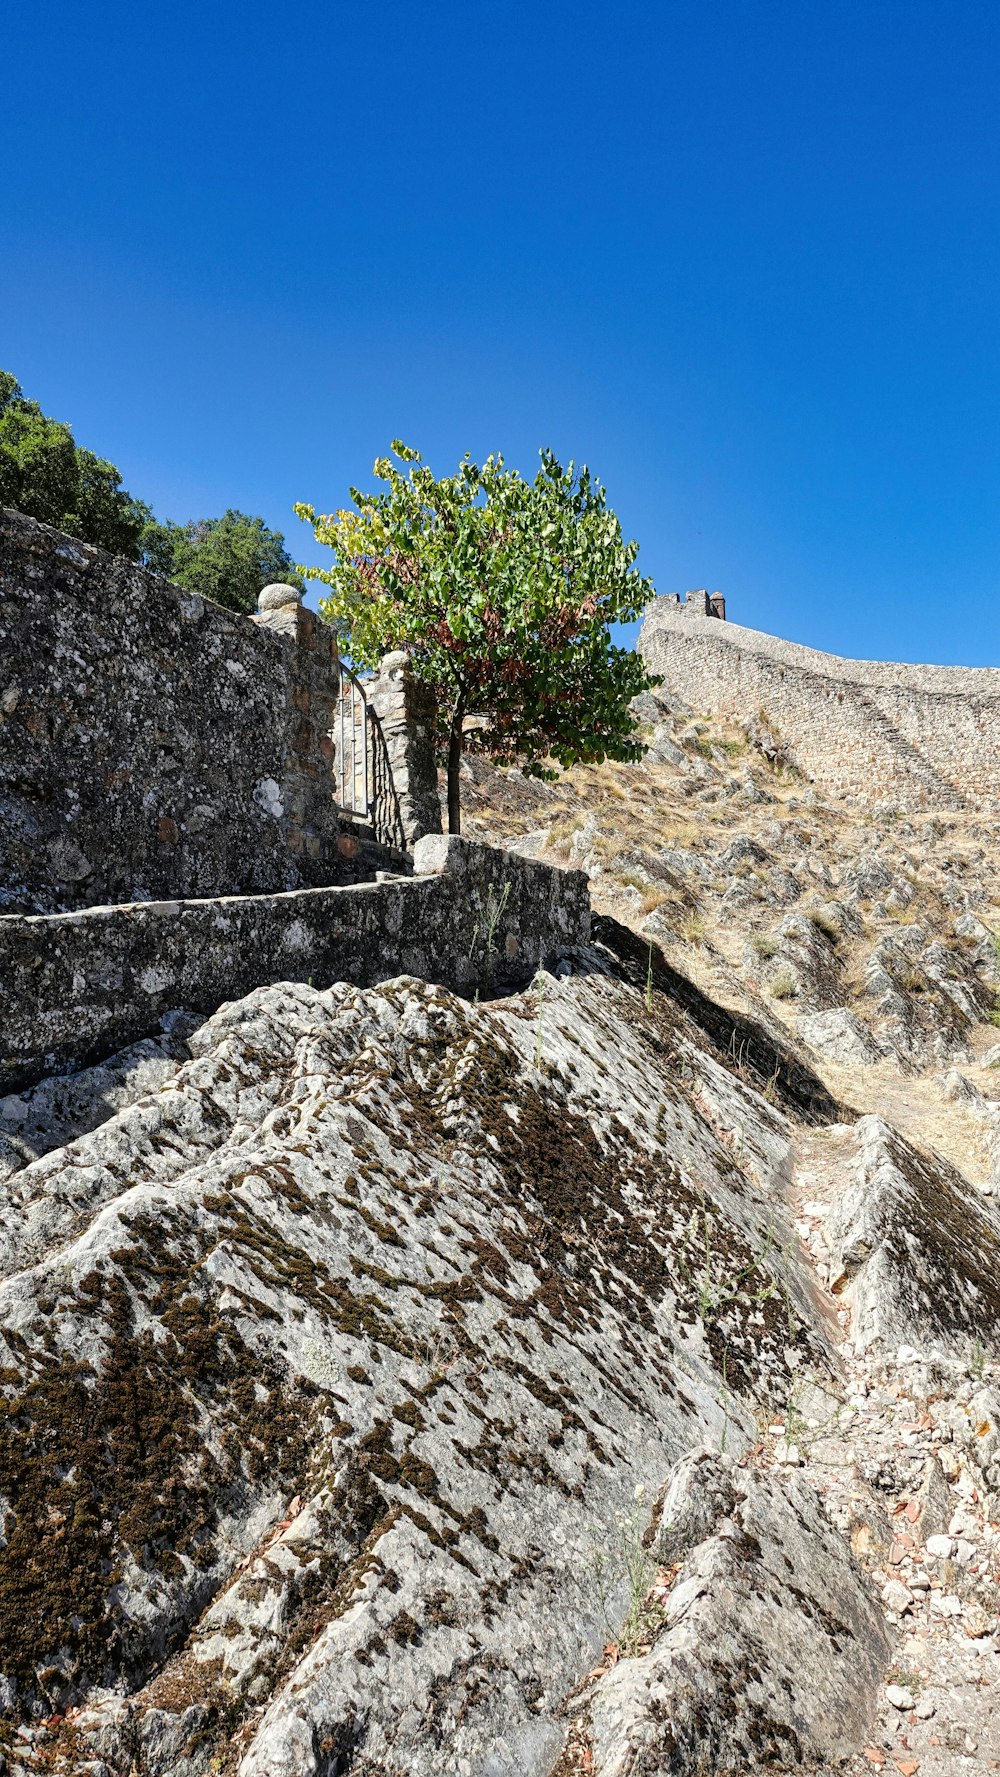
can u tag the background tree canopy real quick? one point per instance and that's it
(227, 559)
(45, 473)
(502, 590)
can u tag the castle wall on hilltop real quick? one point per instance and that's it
(151, 743)
(924, 736)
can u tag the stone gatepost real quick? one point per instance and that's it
(303, 801)
(404, 710)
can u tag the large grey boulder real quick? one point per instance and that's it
(917, 1250)
(772, 1648)
(65, 1106)
(840, 1036)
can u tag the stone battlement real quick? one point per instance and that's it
(925, 736)
(701, 603)
(154, 745)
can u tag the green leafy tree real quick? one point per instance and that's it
(45, 473)
(502, 590)
(227, 559)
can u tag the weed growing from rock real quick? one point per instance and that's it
(750, 1286)
(487, 929)
(539, 985)
(624, 1559)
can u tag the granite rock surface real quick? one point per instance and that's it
(329, 1361)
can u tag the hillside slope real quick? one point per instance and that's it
(867, 936)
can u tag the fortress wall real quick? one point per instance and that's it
(151, 743)
(959, 731)
(76, 987)
(924, 735)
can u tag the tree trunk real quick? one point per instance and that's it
(454, 768)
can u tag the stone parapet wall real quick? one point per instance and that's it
(75, 987)
(151, 743)
(925, 736)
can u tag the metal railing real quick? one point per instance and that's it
(362, 773)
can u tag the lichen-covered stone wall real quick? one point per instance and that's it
(407, 804)
(925, 736)
(74, 987)
(153, 744)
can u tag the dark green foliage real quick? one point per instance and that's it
(227, 559)
(45, 473)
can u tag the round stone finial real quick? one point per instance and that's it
(277, 595)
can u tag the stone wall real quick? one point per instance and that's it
(923, 736)
(75, 987)
(407, 804)
(153, 744)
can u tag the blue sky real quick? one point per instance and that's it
(741, 257)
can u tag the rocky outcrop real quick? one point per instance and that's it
(916, 1248)
(397, 1383)
(716, 848)
(772, 1646)
(841, 1036)
(329, 1361)
(64, 1106)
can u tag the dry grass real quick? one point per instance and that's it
(682, 833)
(825, 923)
(653, 895)
(784, 985)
